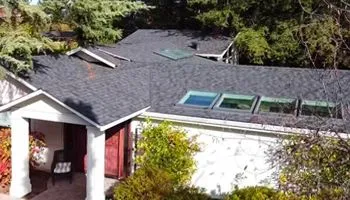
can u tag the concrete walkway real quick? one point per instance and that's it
(63, 190)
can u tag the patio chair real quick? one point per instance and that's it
(62, 166)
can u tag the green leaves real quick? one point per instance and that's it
(20, 36)
(93, 21)
(169, 149)
(254, 44)
(281, 32)
(314, 165)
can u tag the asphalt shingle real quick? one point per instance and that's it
(105, 95)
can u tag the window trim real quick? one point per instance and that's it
(326, 104)
(225, 95)
(189, 92)
(286, 99)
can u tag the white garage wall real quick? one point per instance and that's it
(10, 90)
(228, 158)
(54, 139)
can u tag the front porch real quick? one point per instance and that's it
(97, 148)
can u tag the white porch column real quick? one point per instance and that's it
(95, 164)
(20, 183)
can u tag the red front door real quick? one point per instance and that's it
(114, 158)
(115, 152)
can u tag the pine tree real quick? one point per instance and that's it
(20, 35)
(93, 21)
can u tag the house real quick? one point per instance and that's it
(93, 101)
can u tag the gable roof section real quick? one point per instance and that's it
(102, 94)
(41, 92)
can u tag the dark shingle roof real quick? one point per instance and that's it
(100, 93)
(141, 45)
(105, 95)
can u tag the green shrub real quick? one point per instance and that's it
(265, 193)
(253, 193)
(149, 183)
(168, 148)
(188, 193)
(145, 184)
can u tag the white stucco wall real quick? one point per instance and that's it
(54, 139)
(228, 157)
(10, 90)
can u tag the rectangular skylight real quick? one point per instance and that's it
(320, 109)
(237, 102)
(277, 105)
(174, 54)
(199, 99)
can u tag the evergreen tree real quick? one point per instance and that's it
(93, 21)
(21, 35)
(281, 32)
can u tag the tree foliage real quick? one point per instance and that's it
(20, 35)
(168, 148)
(283, 32)
(93, 21)
(314, 164)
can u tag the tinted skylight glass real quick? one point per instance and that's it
(320, 109)
(197, 98)
(234, 101)
(277, 105)
(174, 54)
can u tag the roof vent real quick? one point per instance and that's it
(90, 57)
(194, 45)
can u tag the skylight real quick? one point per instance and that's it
(237, 102)
(277, 105)
(320, 109)
(199, 99)
(174, 54)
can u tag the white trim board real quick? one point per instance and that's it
(218, 56)
(252, 127)
(89, 53)
(41, 92)
(123, 119)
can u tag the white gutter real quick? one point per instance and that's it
(252, 127)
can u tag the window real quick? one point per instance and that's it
(321, 109)
(199, 99)
(237, 102)
(174, 54)
(277, 105)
